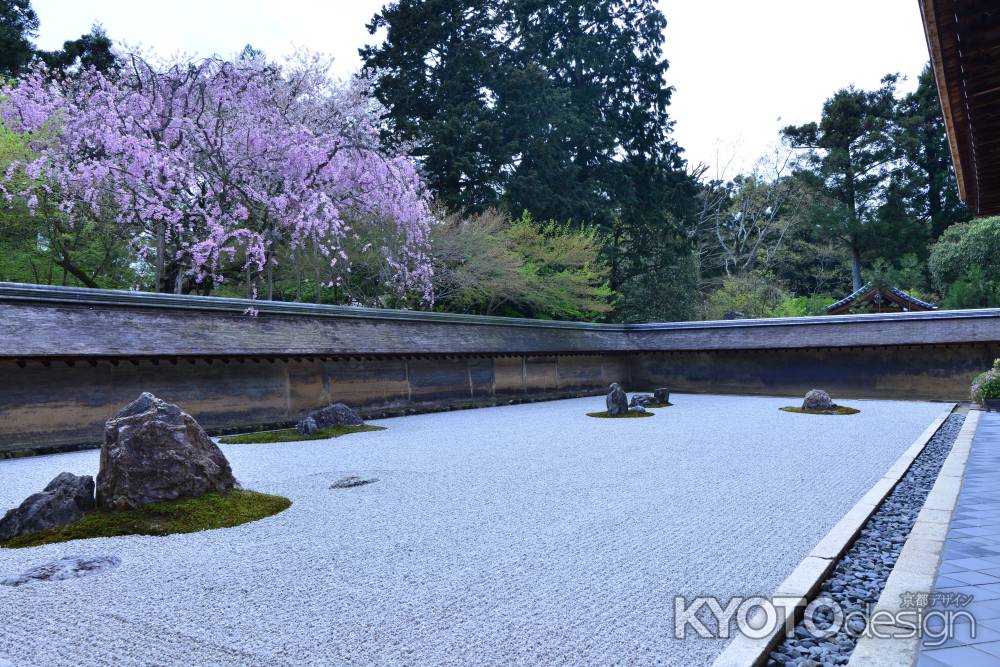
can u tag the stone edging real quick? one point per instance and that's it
(801, 585)
(917, 566)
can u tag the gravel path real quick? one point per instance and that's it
(858, 579)
(521, 534)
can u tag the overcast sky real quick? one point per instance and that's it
(741, 68)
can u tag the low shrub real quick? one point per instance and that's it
(986, 385)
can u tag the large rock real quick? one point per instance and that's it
(337, 414)
(153, 451)
(66, 499)
(662, 395)
(617, 400)
(817, 399)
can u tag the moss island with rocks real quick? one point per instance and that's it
(208, 512)
(159, 474)
(294, 435)
(818, 402)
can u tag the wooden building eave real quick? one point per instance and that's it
(963, 38)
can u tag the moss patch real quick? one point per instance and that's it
(627, 415)
(292, 435)
(214, 510)
(657, 405)
(836, 410)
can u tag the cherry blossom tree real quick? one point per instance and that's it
(216, 163)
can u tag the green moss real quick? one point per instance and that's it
(292, 435)
(836, 410)
(214, 510)
(627, 415)
(657, 405)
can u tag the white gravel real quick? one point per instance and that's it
(514, 535)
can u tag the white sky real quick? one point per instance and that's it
(742, 68)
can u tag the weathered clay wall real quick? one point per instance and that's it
(54, 405)
(70, 358)
(920, 372)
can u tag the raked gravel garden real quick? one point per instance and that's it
(520, 534)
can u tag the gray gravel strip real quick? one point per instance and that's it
(857, 580)
(527, 534)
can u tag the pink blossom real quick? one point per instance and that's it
(221, 159)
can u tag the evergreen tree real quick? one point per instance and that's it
(439, 70)
(553, 107)
(91, 50)
(928, 175)
(851, 152)
(18, 26)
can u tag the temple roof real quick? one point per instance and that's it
(893, 298)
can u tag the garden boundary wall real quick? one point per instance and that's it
(71, 358)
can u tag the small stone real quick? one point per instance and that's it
(308, 426)
(65, 568)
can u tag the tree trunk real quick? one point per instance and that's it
(856, 265)
(161, 242)
(270, 279)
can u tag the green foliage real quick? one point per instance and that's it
(18, 27)
(39, 247)
(803, 306)
(491, 265)
(986, 385)
(962, 250)
(747, 296)
(848, 149)
(211, 511)
(554, 107)
(972, 289)
(293, 435)
(927, 178)
(91, 50)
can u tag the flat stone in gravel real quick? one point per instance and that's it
(71, 567)
(525, 534)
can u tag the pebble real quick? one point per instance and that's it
(860, 575)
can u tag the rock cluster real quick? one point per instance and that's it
(337, 414)
(640, 400)
(858, 578)
(66, 499)
(617, 400)
(817, 399)
(154, 451)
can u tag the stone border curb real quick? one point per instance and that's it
(917, 566)
(802, 584)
